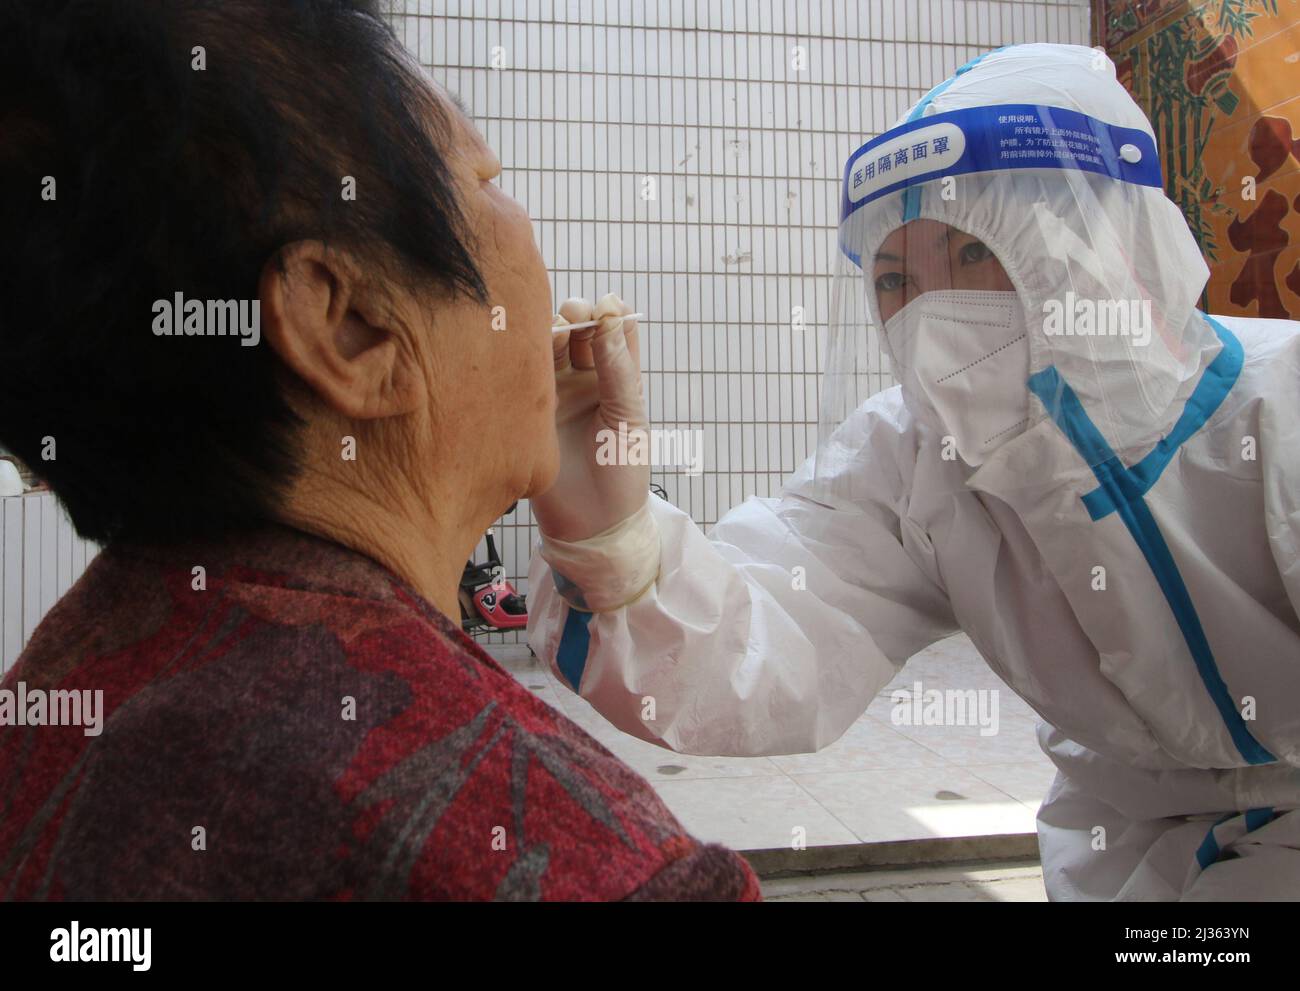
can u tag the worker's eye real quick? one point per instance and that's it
(889, 282)
(974, 253)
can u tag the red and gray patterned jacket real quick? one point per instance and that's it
(306, 726)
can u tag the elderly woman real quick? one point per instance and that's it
(261, 296)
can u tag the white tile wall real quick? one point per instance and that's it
(40, 557)
(746, 152)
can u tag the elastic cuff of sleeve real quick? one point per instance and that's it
(610, 570)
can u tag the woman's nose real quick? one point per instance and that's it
(928, 278)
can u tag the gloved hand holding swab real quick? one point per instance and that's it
(598, 394)
(593, 323)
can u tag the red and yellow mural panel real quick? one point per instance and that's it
(1220, 80)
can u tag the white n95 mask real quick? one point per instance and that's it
(963, 356)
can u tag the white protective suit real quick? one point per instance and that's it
(1170, 698)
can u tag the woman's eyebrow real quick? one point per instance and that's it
(460, 104)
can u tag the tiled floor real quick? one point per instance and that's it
(880, 781)
(986, 883)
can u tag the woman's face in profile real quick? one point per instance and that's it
(927, 256)
(495, 359)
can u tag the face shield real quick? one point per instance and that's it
(1017, 269)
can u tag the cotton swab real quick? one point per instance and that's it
(595, 323)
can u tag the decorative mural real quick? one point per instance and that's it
(1220, 80)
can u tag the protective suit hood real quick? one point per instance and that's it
(1040, 152)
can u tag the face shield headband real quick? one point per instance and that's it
(991, 139)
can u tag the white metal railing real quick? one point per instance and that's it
(41, 556)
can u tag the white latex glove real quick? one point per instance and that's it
(598, 387)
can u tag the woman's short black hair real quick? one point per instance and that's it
(184, 143)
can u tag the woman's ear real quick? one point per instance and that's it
(334, 333)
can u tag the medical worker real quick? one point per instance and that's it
(1097, 482)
